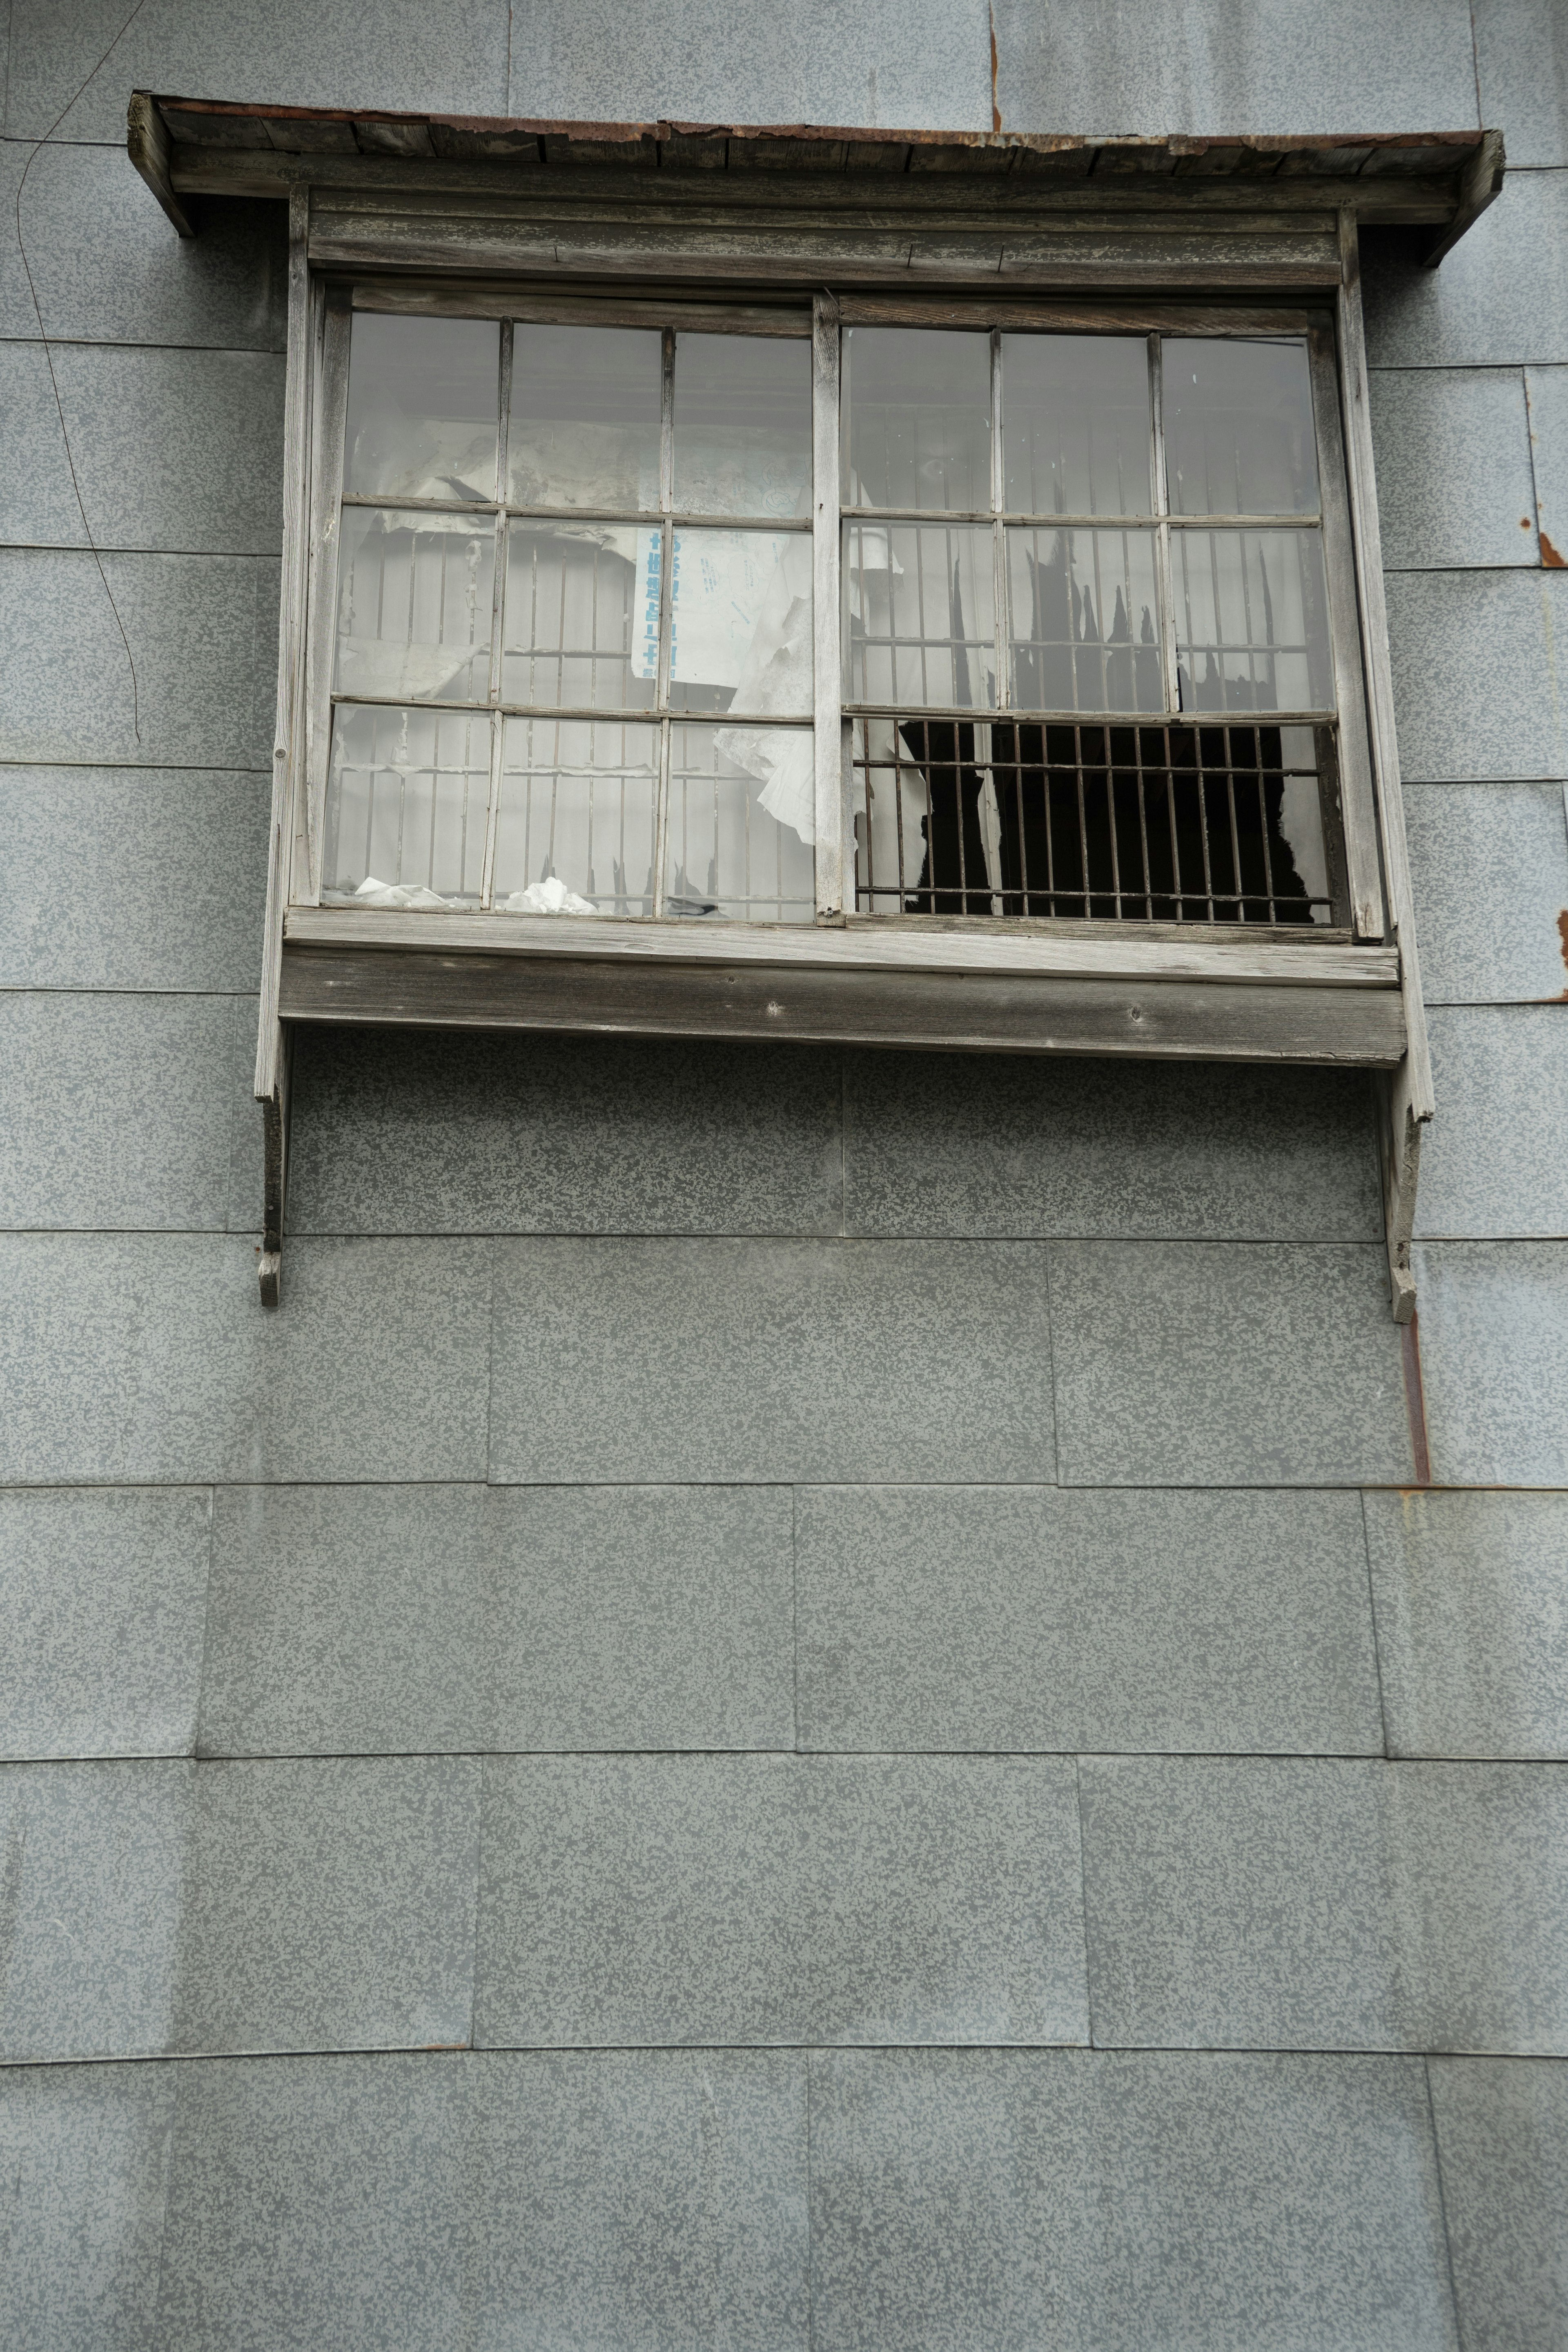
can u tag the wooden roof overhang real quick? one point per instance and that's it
(592, 199)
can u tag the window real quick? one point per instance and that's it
(1087, 656)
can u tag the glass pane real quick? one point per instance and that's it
(741, 623)
(917, 419)
(424, 397)
(575, 831)
(921, 615)
(742, 425)
(582, 615)
(1252, 620)
(1085, 620)
(415, 596)
(407, 793)
(1077, 432)
(585, 417)
(739, 841)
(1239, 428)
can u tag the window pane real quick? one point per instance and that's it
(1239, 428)
(1085, 620)
(917, 419)
(1077, 432)
(928, 837)
(582, 615)
(585, 417)
(741, 804)
(407, 793)
(921, 614)
(576, 811)
(424, 396)
(742, 425)
(415, 596)
(1252, 620)
(741, 623)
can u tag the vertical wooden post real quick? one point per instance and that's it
(833, 770)
(1406, 1093)
(273, 1056)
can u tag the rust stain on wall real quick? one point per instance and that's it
(1550, 557)
(1563, 935)
(996, 109)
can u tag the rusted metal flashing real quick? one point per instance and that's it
(1445, 178)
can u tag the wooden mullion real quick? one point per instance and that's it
(1358, 800)
(321, 636)
(835, 855)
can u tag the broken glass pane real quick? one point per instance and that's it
(741, 633)
(917, 419)
(1238, 427)
(1077, 424)
(1085, 620)
(415, 593)
(424, 396)
(582, 615)
(407, 793)
(577, 805)
(743, 425)
(739, 797)
(1252, 620)
(585, 417)
(921, 614)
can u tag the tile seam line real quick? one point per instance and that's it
(1294, 1758)
(722, 1485)
(559, 1234)
(137, 554)
(1442, 2201)
(1371, 2054)
(215, 350)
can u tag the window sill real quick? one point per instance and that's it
(1043, 991)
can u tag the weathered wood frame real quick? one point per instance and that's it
(1350, 998)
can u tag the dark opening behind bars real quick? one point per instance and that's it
(1152, 824)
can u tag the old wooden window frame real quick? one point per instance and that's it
(948, 228)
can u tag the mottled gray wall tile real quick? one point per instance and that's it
(117, 1111)
(108, 266)
(1037, 1618)
(435, 54)
(1495, 1159)
(1453, 482)
(1472, 1621)
(1502, 2141)
(102, 1602)
(329, 1904)
(1500, 297)
(1546, 389)
(84, 2156)
(1494, 1358)
(176, 449)
(1185, 1364)
(1521, 63)
(1490, 864)
(638, 1617)
(408, 1132)
(1014, 1144)
(192, 625)
(344, 1621)
(1225, 65)
(315, 2201)
(150, 1358)
(925, 67)
(94, 1856)
(1316, 1905)
(1470, 652)
(636, 1361)
(655, 2198)
(133, 877)
(1110, 2201)
(760, 1898)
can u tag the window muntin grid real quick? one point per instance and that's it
(620, 541)
(1099, 602)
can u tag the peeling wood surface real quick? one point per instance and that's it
(1063, 951)
(957, 1011)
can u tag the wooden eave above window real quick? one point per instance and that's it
(835, 187)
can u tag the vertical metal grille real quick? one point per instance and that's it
(1120, 824)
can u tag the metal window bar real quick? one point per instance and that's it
(1074, 798)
